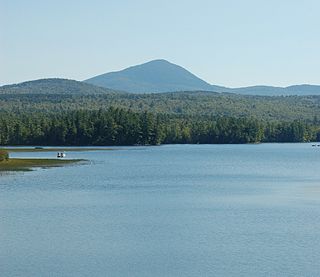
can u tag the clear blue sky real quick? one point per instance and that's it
(231, 43)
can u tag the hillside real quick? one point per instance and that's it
(53, 86)
(177, 104)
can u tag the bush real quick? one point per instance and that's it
(4, 155)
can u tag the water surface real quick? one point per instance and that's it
(183, 210)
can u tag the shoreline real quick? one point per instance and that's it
(21, 164)
(55, 149)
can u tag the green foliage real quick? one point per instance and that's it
(264, 108)
(116, 126)
(4, 155)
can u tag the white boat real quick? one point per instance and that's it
(61, 154)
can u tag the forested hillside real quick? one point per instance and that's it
(54, 86)
(184, 103)
(66, 112)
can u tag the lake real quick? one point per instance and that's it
(175, 210)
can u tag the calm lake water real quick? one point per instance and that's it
(183, 210)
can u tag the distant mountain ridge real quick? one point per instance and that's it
(156, 76)
(278, 91)
(162, 76)
(53, 86)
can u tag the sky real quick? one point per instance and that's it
(231, 42)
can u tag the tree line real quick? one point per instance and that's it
(117, 126)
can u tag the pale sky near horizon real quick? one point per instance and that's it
(231, 43)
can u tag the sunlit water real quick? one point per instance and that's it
(201, 210)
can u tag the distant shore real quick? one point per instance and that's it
(55, 149)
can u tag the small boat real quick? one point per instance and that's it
(61, 154)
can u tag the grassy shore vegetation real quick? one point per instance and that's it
(17, 164)
(4, 155)
(28, 164)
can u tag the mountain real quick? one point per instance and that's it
(277, 91)
(304, 89)
(151, 77)
(53, 86)
(260, 90)
(162, 76)
(154, 76)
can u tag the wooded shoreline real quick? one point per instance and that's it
(121, 127)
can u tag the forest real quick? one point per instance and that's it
(276, 108)
(118, 126)
(67, 112)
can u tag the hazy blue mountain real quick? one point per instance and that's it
(53, 86)
(153, 76)
(304, 89)
(260, 90)
(163, 76)
(277, 91)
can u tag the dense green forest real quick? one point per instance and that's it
(66, 112)
(116, 126)
(283, 108)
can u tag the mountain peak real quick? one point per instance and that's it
(156, 62)
(154, 76)
(159, 61)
